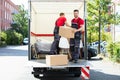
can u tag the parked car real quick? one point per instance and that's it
(102, 46)
(25, 41)
(92, 52)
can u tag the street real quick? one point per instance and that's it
(14, 66)
(14, 51)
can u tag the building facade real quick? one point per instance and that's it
(7, 9)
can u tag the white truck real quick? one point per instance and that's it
(42, 16)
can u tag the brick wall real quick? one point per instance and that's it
(6, 10)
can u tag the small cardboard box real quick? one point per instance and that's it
(56, 60)
(66, 32)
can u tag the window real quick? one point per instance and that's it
(5, 15)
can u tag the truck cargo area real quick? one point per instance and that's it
(42, 17)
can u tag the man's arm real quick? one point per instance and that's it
(66, 23)
(80, 29)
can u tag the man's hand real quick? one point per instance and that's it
(75, 30)
(80, 29)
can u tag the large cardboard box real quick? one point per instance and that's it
(66, 32)
(56, 60)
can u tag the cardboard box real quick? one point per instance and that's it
(66, 32)
(56, 60)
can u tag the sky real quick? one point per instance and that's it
(19, 2)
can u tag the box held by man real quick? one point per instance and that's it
(66, 32)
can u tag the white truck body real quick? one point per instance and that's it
(42, 17)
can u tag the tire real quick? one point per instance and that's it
(36, 76)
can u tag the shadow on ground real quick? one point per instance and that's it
(96, 75)
(62, 79)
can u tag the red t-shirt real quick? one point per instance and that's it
(60, 21)
(79, 21)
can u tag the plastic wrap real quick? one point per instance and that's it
(43, 45)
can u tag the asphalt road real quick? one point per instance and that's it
(14, 65)
(14, 51)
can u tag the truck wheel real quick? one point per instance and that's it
(36, 76)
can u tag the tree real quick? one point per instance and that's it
(20, 19)
(99, 9)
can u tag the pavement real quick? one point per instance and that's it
(104, 70)
(14, 51)
(14, 66)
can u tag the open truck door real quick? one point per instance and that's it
(42, 17)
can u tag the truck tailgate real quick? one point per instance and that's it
(42, 63)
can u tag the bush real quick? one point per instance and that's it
(114, 51)
(3, 36)
(92, 37)
(14, 38)
(105, 36)
(3, 44)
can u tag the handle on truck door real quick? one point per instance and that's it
(41, 35)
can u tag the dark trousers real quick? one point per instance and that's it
(75, 46)
(54, 47)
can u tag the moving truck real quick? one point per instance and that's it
(42, 17)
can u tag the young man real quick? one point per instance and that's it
(77, 23)
(61, 21)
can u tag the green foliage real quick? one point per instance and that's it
(21, 22)
(3, 36)
(117, 18)
(114, 51)
(98, 12)
(92, 37)
(13, 37)
(3, 44)
(106, 37)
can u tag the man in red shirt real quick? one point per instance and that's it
(77, 24)
(61, 21)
